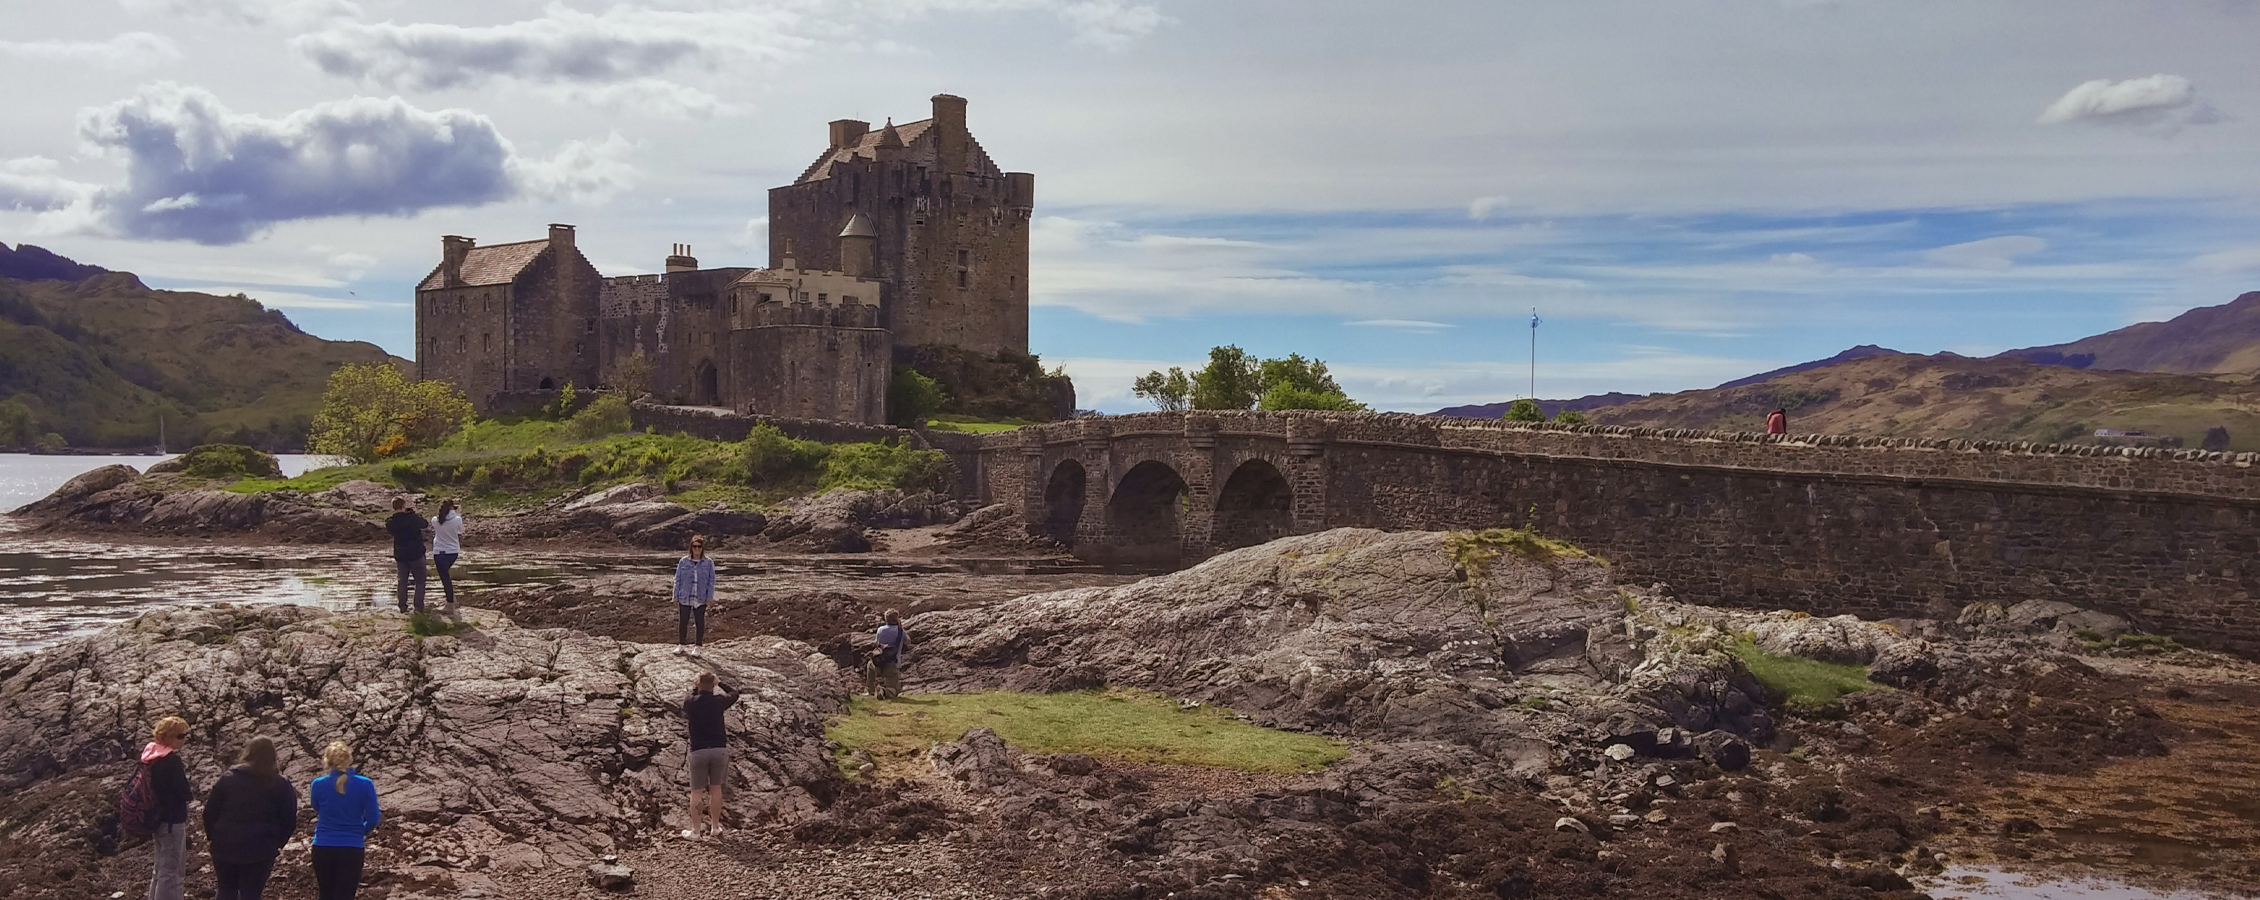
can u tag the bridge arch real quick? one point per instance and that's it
(1145, 513)
(1256, 505)
(1063, 501)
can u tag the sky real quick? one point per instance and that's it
(1685, 192)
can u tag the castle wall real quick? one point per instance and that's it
(462, 337)
(552, 323)
(1877, 527)
(681, 323)
(812, 363)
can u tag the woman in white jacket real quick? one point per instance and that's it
(447, 544)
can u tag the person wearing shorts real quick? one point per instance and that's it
(710, 754)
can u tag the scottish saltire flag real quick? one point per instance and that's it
(1534, 319)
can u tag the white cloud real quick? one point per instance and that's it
(2241, 259)
(1416, 325)
(36, 183)
(132, 50)
(251, 13)
(1793, 259)
(274, 299)
(754, 235)
(1110, 24)
(196, 170)
(1482, 208)
(2158, 101)
(1993, 254)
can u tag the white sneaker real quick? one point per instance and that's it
(690, 835)
(694, 652)
(678, 649)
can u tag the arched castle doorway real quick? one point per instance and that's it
(1256, 505)
(1063, 501)
(1144, 513)
(706, 385)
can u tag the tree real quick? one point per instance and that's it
(1229, 381)
(371, 411)
(912, 398)
(2216, 438)
(1298, 383)
(1173, 391)
(1524, 410)
(632, 376)
(1571, 417)
(16, 426)
(1288, 396)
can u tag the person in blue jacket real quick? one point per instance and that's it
(345, 812)
(694, 589)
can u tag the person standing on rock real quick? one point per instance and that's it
(894, 644)
(694, 589)
(168, 779)
(447, 544)
(345, 812)
(250, 814)
(710, 754)
(1777, 422)
(407, 529)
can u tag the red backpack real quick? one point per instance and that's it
(137, 807)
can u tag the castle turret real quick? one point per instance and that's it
(889, 148)
(859, 248)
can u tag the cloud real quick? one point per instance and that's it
(1401, 324)
(197, 171)
(274, 299)
(250, 13)
(132, 50)
(1109, 24)
(2158, 102)
(36, 183)
(1483, 207)
(754, 235)
(1993, 254)
(2241, 259)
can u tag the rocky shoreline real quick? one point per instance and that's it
(1521, 727)
(162, 504)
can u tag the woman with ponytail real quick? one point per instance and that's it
(345, 810)
(447, 545)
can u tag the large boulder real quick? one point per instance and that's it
(552, 740)
(79, 488)
(364, 496)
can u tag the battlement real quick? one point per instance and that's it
(801, 313)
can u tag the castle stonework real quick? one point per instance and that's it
(904, 237)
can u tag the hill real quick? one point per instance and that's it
(1862, 351)
(1949, 396)
(2223, 338)
(1549, 407)
(97, 357)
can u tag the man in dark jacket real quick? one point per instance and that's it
(407, 529)
(168, 780)
(250, 814)
(710, 755)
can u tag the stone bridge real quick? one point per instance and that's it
(1827, 524)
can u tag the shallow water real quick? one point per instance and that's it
(26, 477)
(1976, 882)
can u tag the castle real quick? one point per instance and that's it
(893, 239)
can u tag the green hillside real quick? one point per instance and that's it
(100, 359)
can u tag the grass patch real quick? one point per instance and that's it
(430, 624)
(1474, 550)
(1802, 685)
(973, 424)
(1119, 725)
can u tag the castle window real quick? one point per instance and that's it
(848, 298)
(961, 278)
(823, 298)
(486, 343)
(766, 299)
(964, 257)
(592, 326)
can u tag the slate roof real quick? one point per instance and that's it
(494, 264)
(866, 147)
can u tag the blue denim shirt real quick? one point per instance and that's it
(694, 581)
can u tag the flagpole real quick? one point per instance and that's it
(1534, 354)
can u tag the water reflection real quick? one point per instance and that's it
(1975, 882)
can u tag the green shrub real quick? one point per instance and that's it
(228, 461)
(912, 397)
(880, 466)
(1524, 410)
(1571, 417)
(608, 415)
(767, 456)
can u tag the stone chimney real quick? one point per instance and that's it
(949, 132)
(452, 250)
(560, 238)
(859, 247)
(681, 260)
(788, 262)
(846, 132)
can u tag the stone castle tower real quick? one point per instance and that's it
(941, 224)
(893, 239)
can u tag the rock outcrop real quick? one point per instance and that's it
(1374, 635)
(841, 520)
(497, 747)
(118, 498)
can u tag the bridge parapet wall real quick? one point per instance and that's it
(1876, 526)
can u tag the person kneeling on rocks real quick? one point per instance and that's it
(710, 754)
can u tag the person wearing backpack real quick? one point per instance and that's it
(166, 780)
(893, 644)
(345, 812)
(250, 814)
